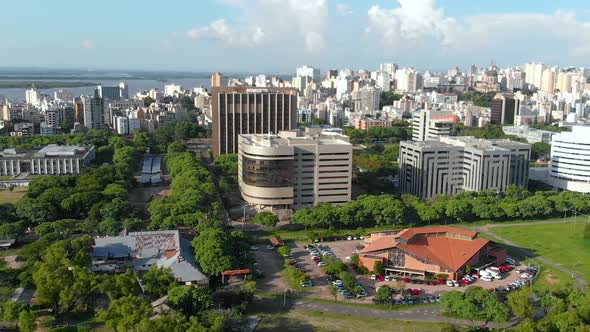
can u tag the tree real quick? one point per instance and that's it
(190, 300)
(334, 292)
(284, 250)
(147, 101)
(11, 310)
(27, 321)
(266, 219)
(520, 304)
(378, 268)
(212, 251)
(124, 314)
(384, 293)
(540, 149)
(157, 281)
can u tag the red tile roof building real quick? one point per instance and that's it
(429, 250)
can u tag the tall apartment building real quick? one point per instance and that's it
(367, 98)
(93, 112)
(32, 97)
(504, 108)
(430, 124)
(245, 110)
(295, 169)
(534, 73)
(216, 80)
(109, 92)
(451, 165)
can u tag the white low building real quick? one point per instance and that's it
(50, 160)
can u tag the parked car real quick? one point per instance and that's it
(349, 238)
(306, 283)
(486, 278)
(320, 264)
(270, 248)
(253, 248)
(337, 282)
(456, 283)
(389, 278)
(450, 283)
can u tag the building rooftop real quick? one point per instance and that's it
(51, 150)
(469, 142)
(448, 247)
(160, 248)
(296, 137)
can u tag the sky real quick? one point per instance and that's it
(276, 36)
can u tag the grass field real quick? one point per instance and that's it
(7, 196)
(562, 243)
(302, 320)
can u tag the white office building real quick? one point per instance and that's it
(295, 169)
(570, 160)
(451, 165)
(32, 97)
(431, 124)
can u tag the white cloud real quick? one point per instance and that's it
(88, 44)
(270, 22)
(421, 25)
(343, 9)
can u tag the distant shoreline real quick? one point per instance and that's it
(44, 84)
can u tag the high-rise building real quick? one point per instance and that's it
(245, 110)
(93, 112)
(32, 96)
(570, 160)
(406, 80)
(312, 73)
(124, 89)
(121, 125)
(216, 80)
(430, 124)
(369, 98)
(504, 108)
(108, 92)
(534, 73)
(451, 165)
(295, 169)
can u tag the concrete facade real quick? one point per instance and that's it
(430, 124)
(451, 165)
(295, 169)
(50, 160)
(570, 160)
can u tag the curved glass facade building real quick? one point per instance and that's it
(294, 169)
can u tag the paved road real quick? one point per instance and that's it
(485, 229)
(432, 313)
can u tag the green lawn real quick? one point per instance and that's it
(303, 320)
(7, 196)
(561, 243)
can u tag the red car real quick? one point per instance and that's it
(441, 282)
(380, 278)
(406, 280)
(416, 292)
(464, 282)
(315, 259)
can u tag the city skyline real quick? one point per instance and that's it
(236, 35)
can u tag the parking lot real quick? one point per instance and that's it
(271, 265)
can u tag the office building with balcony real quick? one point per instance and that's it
(451, 165)
(295, 169)
(247, 110)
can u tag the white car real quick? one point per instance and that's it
(456, 283)
(270, 248)
(349, 238)
(321, 264)
(487, 278)
(450, 283)
(337, 282)
(347, 258)
(373, 277)
(253, 248)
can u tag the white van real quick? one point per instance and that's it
(494, 272)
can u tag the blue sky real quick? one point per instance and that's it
(279, 35)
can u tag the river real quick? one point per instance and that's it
(18, 94)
